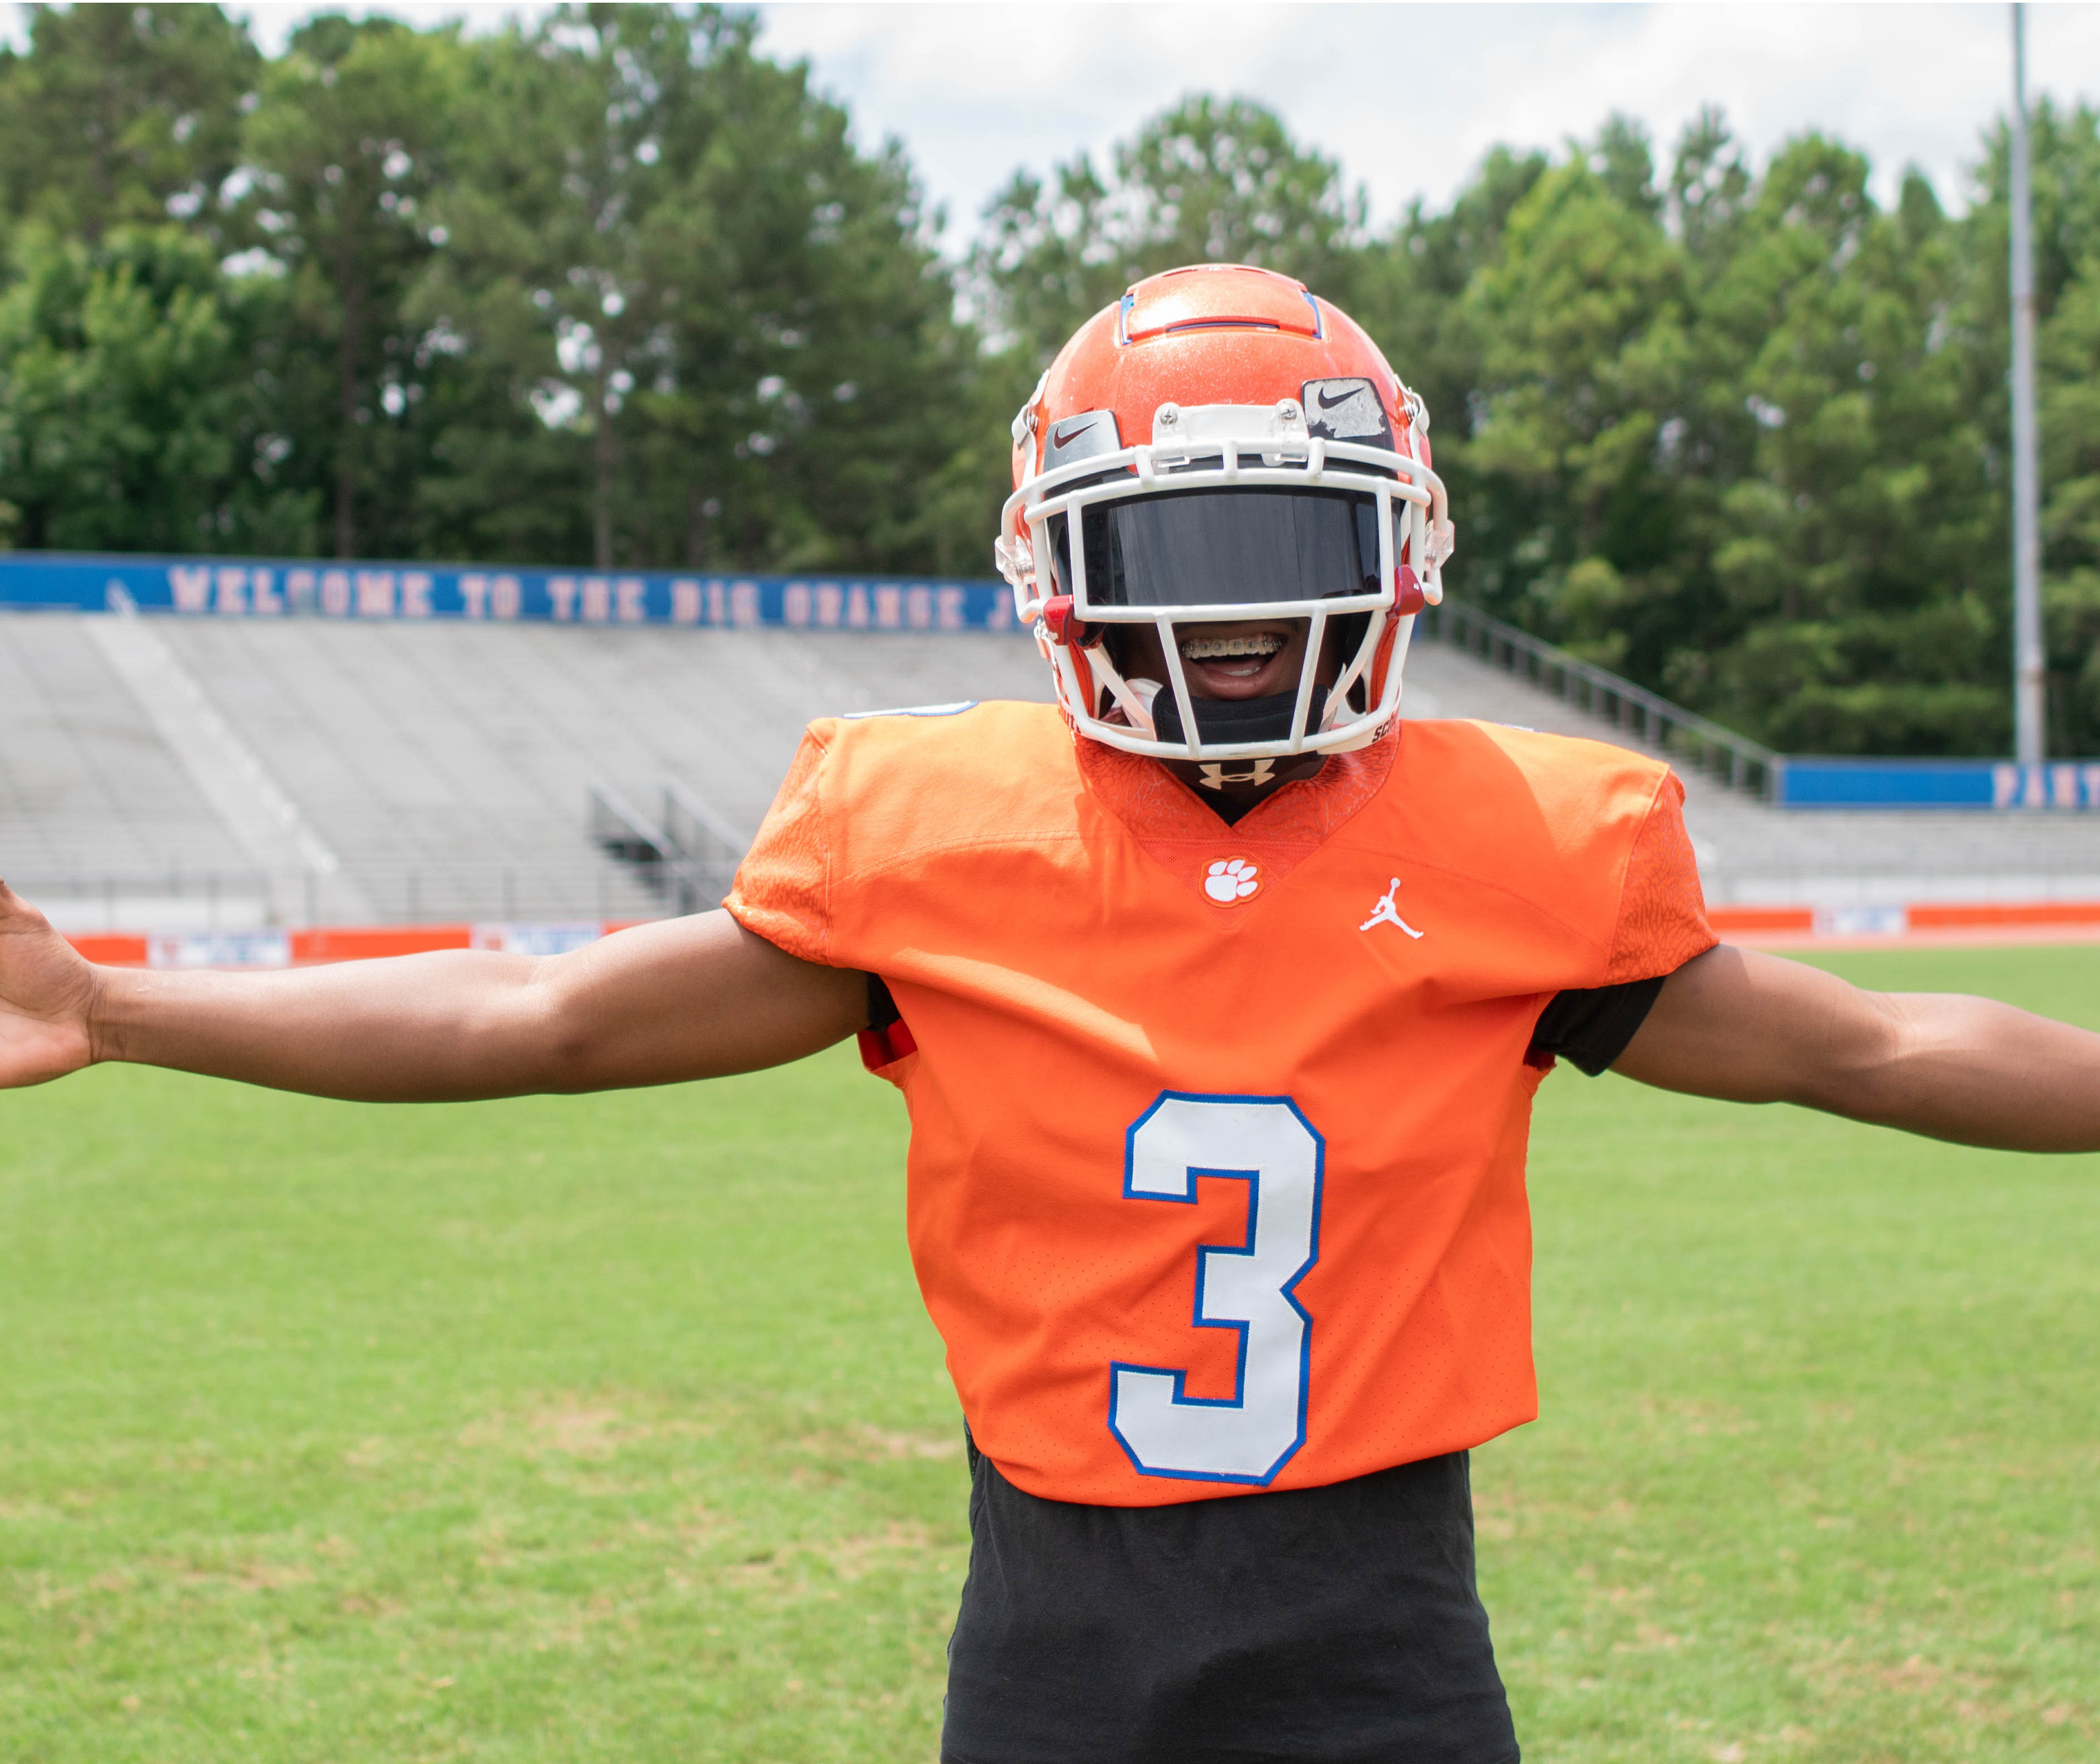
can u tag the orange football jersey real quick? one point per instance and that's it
(1216, 1173)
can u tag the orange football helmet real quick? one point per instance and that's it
(1222, 446)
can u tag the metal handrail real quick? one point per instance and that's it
(625, 833)
(1742, 763)
(693, 825)
(708, 843)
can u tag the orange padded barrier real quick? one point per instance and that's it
(359, 943)
(114, 949)
(1725, 920)
(2004, 915)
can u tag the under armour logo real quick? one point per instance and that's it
(1385, 913)
(1216, 777)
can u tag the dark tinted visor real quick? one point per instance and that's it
(1195, 547)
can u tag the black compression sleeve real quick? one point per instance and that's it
(1590, 1026)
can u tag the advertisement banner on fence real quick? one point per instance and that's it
(247, 587)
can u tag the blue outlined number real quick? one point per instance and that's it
(1264, 1142)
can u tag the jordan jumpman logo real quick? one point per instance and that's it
(1385, 913)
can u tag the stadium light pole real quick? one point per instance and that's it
(2028, 678)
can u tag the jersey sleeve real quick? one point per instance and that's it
(1662, 910)
(782, 890)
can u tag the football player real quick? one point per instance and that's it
(1218, 997)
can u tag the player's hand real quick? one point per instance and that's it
(47, 998)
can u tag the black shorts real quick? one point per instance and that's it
(1338, 1624)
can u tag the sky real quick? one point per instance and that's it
(1408, 98)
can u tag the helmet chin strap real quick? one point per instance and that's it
(1214, 777)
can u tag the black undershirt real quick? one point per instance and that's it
(1589, 1026)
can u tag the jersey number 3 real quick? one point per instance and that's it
(1265, 1143)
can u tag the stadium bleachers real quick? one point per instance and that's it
(93, 800)
(445, 767)
(160, 773)
(84, 780)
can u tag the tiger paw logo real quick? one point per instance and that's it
(1231, 880)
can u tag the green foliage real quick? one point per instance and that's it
(1207, 181)
(615, 287)
(1718, 438)
(1744, 435)
(129, 420)
(344, 147)
(1854, 553)
(121, 114)
(731, 337)
(2067, 276)
(613, 1426)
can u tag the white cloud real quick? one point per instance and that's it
(1409, 98)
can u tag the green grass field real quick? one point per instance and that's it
(612, 1428)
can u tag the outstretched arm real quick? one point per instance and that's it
(681, 998)
(1748, 1027)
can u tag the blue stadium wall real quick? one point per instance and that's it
(1813, 783)
(252, 588)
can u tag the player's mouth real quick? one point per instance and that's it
(1238, 662)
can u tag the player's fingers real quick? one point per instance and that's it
(14, 909)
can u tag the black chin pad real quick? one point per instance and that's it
(1226, 720)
